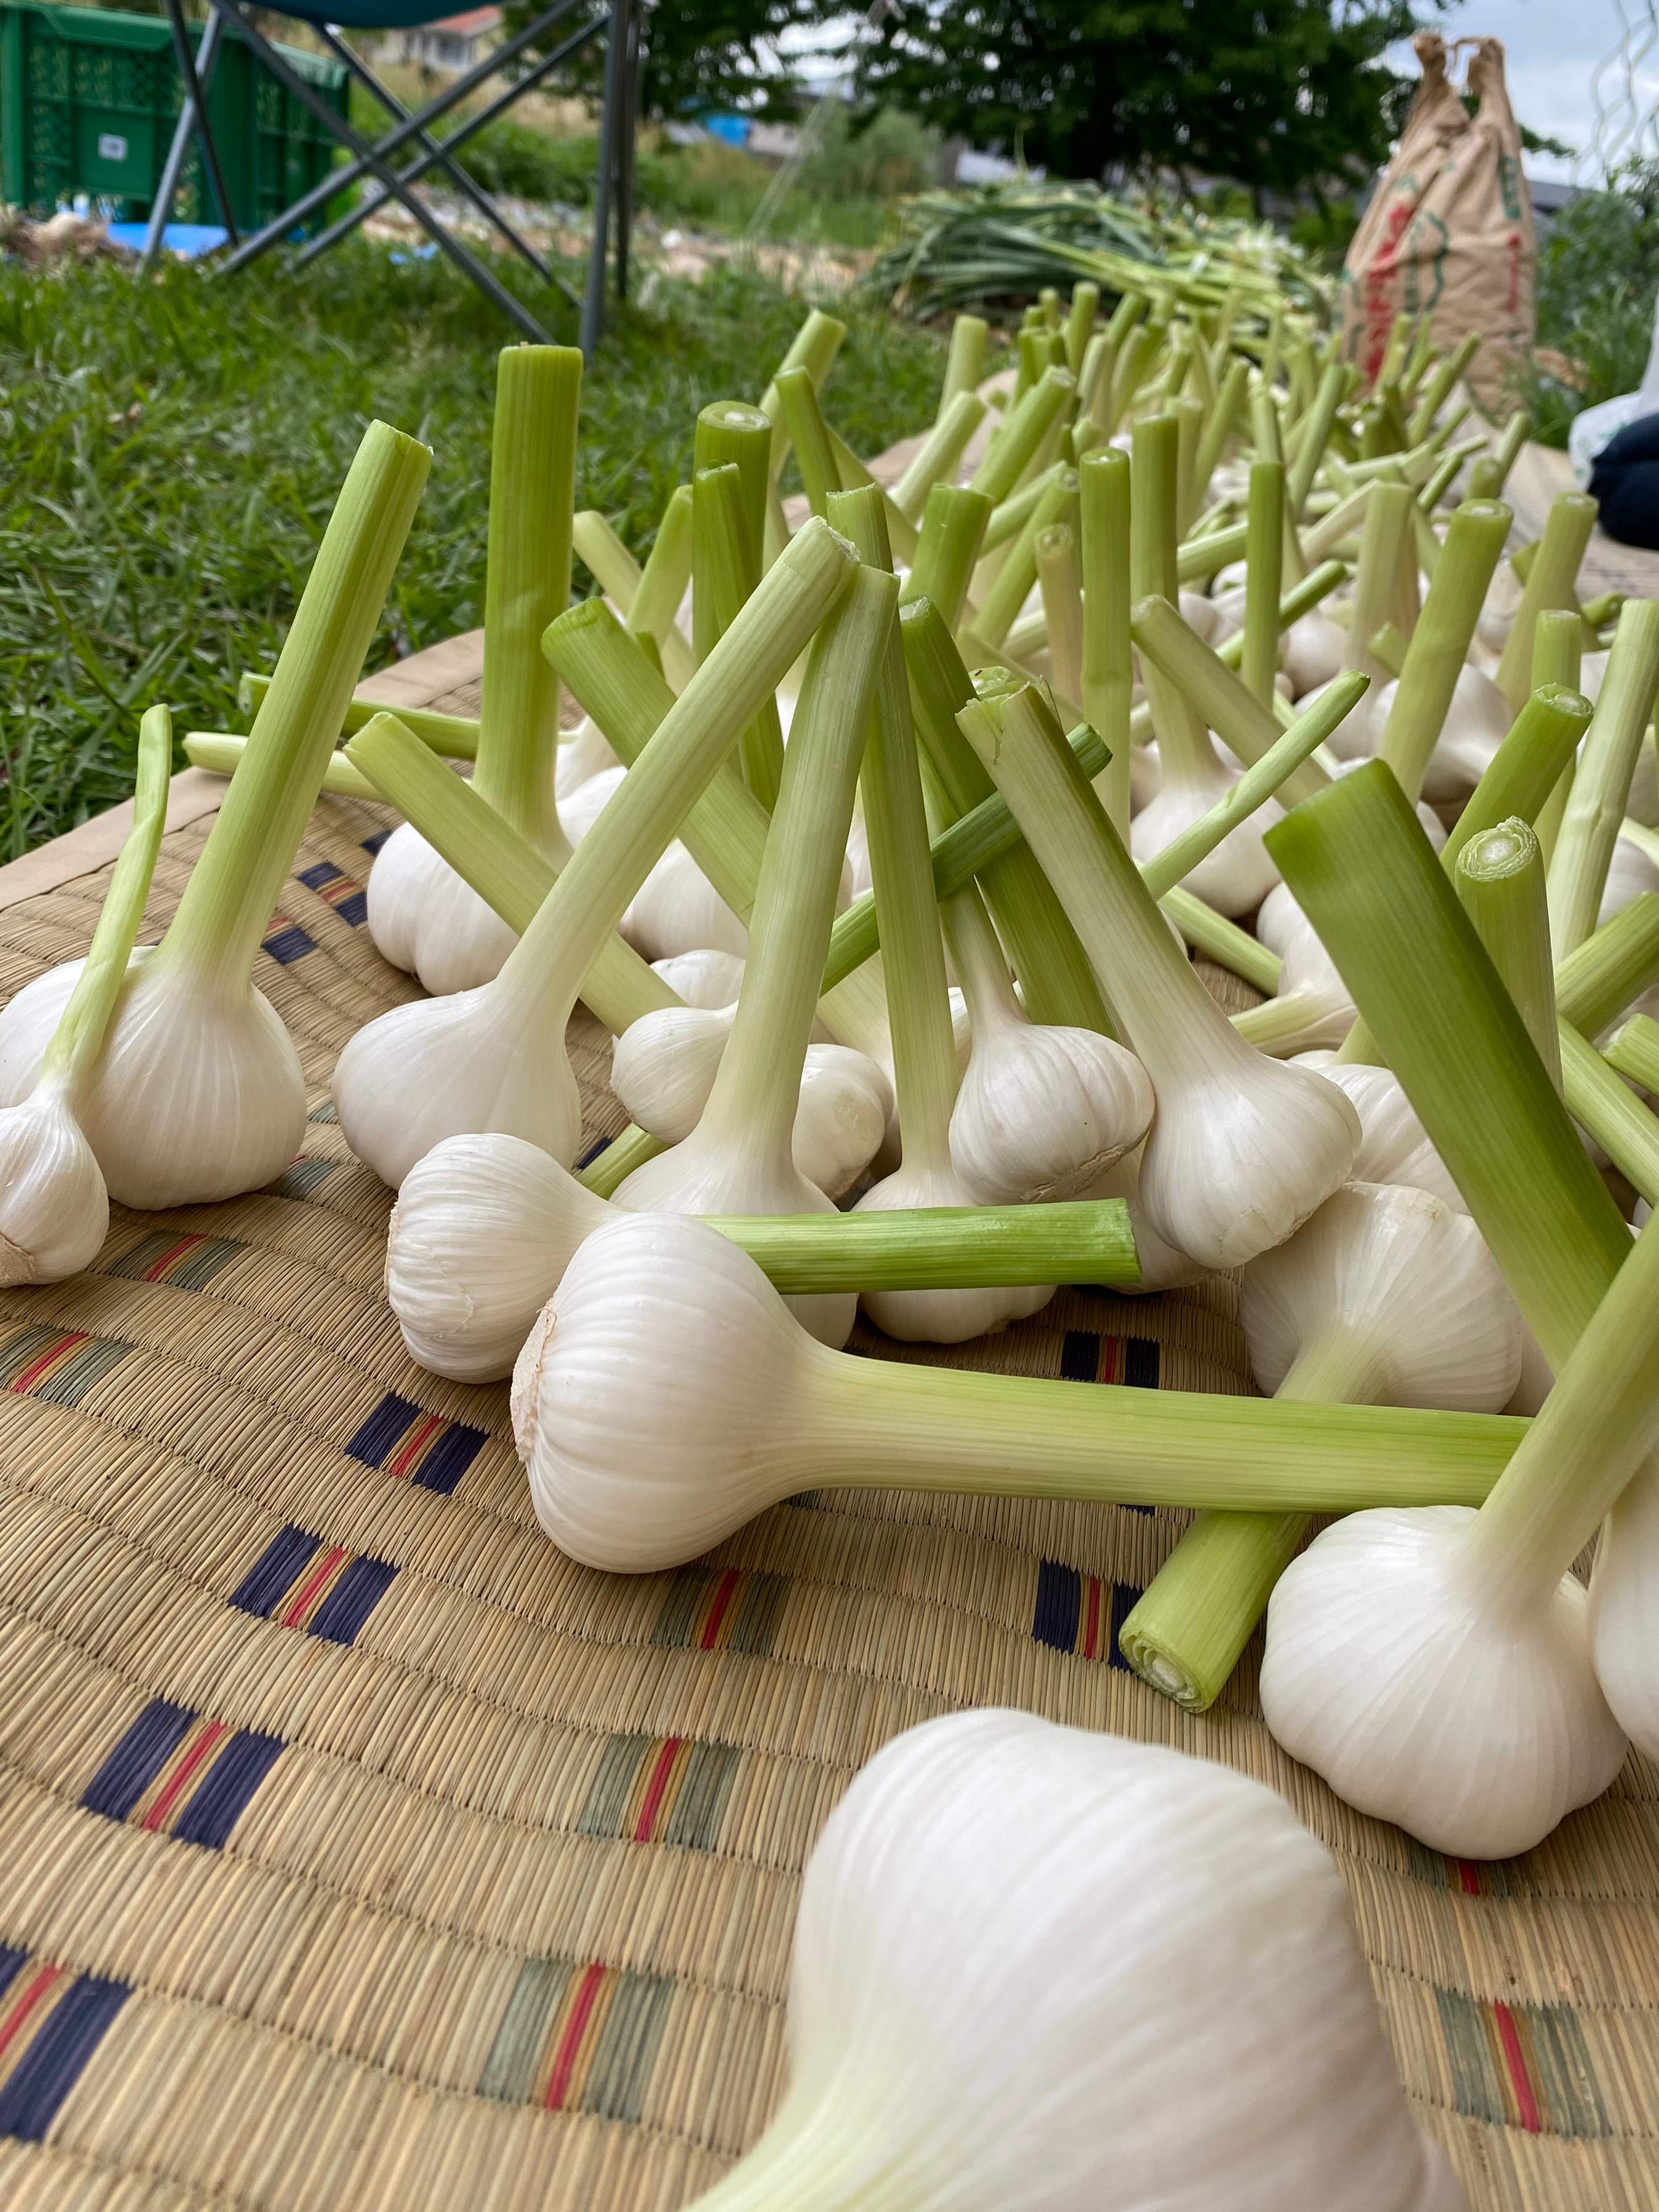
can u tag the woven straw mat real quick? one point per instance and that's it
(357, 1850)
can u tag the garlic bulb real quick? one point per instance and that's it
(583, 753)
(1238, 874)
(1503, 604)
(1477, 722)
(667, 1395)
(422, 916)
(1161, 1266)
(1005, 1930)
(1390, 1672)
(426, 920)
(1311, 1009)
(1242, 1148)
(585, 804)
(1436, 1665)
(495, 1057)
(704, 978)
(1314, 649)
(1630, 872)
(1391, 1297)
(54, 1209)
(1042, 1109)
(663, 1068)
(677, 909)
(1393, 1146)
(1625, 1611)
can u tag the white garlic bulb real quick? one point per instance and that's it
(1393, 1146)
(198, 1093)
(1625, 1611)
(940, 1317)
(1008, 1928)
(582, 809)
(704, 978)
(1311, 1009)
(1630, 872)
(677, 909)
(424, 919)
(54, 1209)
(1477, 722)
(1161, 1266)
(1390, 1672)
(1237, 873)
(583, 753)
(1314, 649)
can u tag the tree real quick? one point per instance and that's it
(1274, 94)
(699, 54)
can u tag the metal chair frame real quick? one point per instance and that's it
(614, 190)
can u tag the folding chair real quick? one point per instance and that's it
(407, 151)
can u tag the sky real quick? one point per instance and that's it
(1552, 48)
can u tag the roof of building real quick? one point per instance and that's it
(469, 25)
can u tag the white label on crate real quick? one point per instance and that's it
(111, 146)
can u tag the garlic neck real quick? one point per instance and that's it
(1340, 1366)
(815, 2160)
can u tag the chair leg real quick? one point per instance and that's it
(611, 122)
(371, 202)
(179, 153)
(364, 164)
(195, 102)
(436, 151)
(372, 157)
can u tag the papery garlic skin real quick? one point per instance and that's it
(1630, 872)
(704, 978)
(197, 1095)
(54, 1209)
(1161, 1266)
(677, 909)
(1393, 1146)
(1477, 722)
(663, 1068)
(424, 919)
(1405, 1280)
(724, 1354)
(1041, 1107)
(1314, 649)
(478, 1241)
(704, 1175)
(940, 1317)
(577, 814)
(583, 753)
(447, 1067)
(1308, 975)
(1391, 1672)
(1042, 1969)
(1269, 1147)
(1238, 873)
(1625, 1611)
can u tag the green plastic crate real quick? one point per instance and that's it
(88, 100)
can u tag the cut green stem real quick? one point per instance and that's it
(935, 459)
(1500, 881)
(1107, 673)
(1440, 640)
(1551, 580)
(1600, 784)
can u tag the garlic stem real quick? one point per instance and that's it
(663, 581)
(1185, 753)
(1081, 323)
(1600, 786)
(498, 863)
(605, 1175)
(1061, 582)
(1601, 1104)
(612, 567)
(1611, 970)
(941, 1247)
(913, 952)
(1188, 414)
(1136, 354)
(1594, 1428)
(79, 1036)
(855, 476)
(1054, 972)
(1500, 881)
(532, 479)
(1214, 696)
(1634, 1051)
(964, 363)
(219, 753)
(1011, 586)
(725, 567)
(1439, 644)
(1315, 429)
(1024, 431)
(935, 459)
(227, 902)
(757, 1090)
(798, 403)
(1185, 1632)
(455, 735)
(1219, 939)
(1437, 389)
(1264, 551)
(1219, 426)
(813, 348)
(1010, 516)
(952, 530)
(1382, 549)
(1270, 773)
(1550, 582)
(1107, 672)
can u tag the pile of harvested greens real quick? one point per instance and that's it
(995, 244)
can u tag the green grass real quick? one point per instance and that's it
(168, 455)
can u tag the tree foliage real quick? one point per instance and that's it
(1276, 95)
(699, 54)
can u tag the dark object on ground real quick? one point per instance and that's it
(1625, 480)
